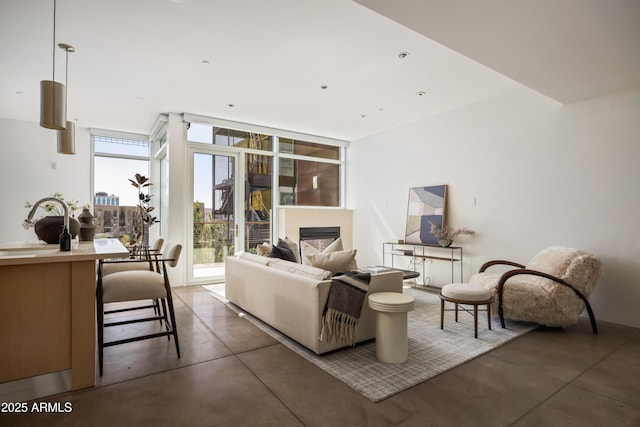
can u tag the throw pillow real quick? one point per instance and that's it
(294, 248)
(263, 249)
(282, 253)
(307, 249)
(335, 246)
(335, 261)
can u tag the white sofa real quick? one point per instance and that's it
(291, 297)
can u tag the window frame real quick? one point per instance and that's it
(102, 133)
(276, 134)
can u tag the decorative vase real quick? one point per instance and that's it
(87, 226)
(48, 228)
(445, 243)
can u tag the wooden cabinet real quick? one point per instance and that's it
(47, 312)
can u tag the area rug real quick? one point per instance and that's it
(432, 350)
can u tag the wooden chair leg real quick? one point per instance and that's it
(489, 315)
(441, 314)
(475, 320)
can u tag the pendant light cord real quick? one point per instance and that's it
(54, 41)
(66, 84)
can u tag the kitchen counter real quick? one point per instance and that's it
(35, 253)
(47, 309)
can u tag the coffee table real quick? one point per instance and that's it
(406, 274)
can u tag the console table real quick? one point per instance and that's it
(418, 252)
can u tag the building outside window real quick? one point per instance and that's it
(116, 160)
(277, 171)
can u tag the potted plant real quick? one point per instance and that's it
(141, 183)
(446, 234)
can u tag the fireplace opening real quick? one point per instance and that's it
(319, 237)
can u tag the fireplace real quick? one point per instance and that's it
(292, 219)
(319, 237)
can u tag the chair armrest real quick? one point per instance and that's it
(509, 274)
(124, 261)
(499, 262)
(128, 264)
(121, 261)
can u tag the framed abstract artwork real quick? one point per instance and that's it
(425, 204)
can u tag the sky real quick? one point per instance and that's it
(111, 175)
(106, 168)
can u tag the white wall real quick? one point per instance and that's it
(28, 153)
(179, 196)
(31, 168)
(542, 174)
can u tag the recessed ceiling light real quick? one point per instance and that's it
(421, 93)
(363, 115)
(324, 87)
(230, 105)
(403, 55)
(205, 61)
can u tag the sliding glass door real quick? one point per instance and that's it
(217, 228)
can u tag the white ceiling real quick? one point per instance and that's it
(137, 59)
(569, 50)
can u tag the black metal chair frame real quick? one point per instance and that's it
(152, 256)
(160, 312)
(520, 270)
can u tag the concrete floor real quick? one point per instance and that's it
(233, 374)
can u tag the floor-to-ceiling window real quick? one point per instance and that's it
(309, 173)
(116, 160)
(239, 179)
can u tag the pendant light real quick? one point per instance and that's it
(52, 93)
(67, 136)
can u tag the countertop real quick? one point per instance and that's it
(16, 253)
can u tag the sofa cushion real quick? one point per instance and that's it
(248, 256)
(282, 251)
(302, 270)
(307, 249)
(335, 261)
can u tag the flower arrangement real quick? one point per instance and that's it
(446, 234)
(144, 204)
(54, 209)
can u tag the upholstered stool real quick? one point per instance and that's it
(466, 294)
(391, 325)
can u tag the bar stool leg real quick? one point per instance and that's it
(475, 319)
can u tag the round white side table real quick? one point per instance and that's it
(391, 325)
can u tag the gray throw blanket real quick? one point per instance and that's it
(344, 303)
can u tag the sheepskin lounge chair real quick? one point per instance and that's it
(551, 290)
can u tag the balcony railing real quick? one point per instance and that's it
(214, 240)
